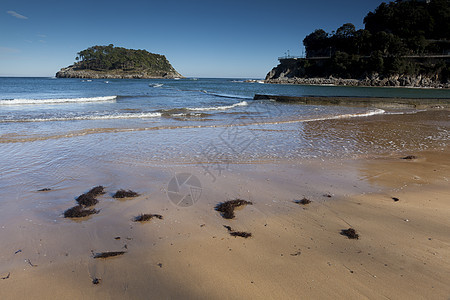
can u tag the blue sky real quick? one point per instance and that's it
(240, 39)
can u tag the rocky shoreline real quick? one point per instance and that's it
(374, 81)
(72, 72)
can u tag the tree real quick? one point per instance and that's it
(346, 31)
(316, 43)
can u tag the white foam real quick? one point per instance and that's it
(56, 101)
(226, 95)
(89, 117)
(344, 116)
(225, 107)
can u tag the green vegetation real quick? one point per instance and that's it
(105, 58)
(401, 37)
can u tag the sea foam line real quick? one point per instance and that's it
(56, 100)
(87, 118)
(118, 130)
(242, 103)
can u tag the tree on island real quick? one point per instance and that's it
(104, 58)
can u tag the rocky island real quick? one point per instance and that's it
(117, 62)
(404, 43)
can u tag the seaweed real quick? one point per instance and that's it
(350, 233)
(228, 227)
(303, 201)
(95, 191)
(125, 194)
(409, 157)
(237, 233)
(79, 212)
(6, 277)
(109, 254)
(86, 200)
(146, 217)
(395, 199)
(227, 208)
(96, 280)
(44, 190)
(240, 233)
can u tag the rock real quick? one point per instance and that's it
(73, 72)
(293, 72)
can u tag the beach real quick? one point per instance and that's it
(386, 177)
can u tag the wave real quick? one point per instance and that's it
(336, 117)
(88, 117)
(116, 130)
(227, 95)
(56, 100)
(156, 85)
(224, 107)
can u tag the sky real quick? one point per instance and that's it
(227, 38)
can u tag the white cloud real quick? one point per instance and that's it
(16, 15)
(7, 50)
(41, 35)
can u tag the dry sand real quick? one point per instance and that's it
(295, 252)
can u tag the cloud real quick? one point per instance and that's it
(8, 50)
(41, 35)
(16, 15)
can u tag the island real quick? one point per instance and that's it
(117, 62)
(404, 43)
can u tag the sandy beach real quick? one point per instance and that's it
(296, 251)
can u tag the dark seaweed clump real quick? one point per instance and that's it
(227, 208)
(45, 190)
(108, 254)
(241, 234)
(125, 194)
(303, 201)
(147, 217)
(95, 191)
(237, 233)
(409, 157)
(96, 281)
(79, 212)
(88, 199)
(350, 233)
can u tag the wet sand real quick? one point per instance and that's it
(295, 251)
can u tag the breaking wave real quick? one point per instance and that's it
(88, 117)
(224, 107)
(56, 100)
(226, 95)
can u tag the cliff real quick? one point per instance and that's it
(316, 72)
(116, 62)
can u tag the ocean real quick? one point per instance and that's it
(73, 133)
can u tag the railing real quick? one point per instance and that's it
(405, 56)
(289, 57)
